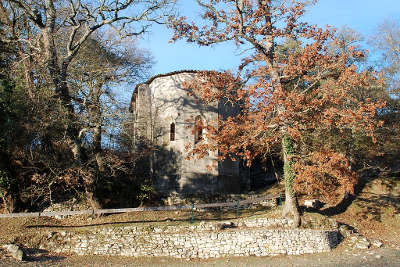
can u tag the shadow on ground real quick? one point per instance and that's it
(41, 255)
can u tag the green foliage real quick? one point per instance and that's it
(145, 193)
(289, 46)
(6, 112)
(288, 165)
(7, 184)
(13, 108)
(125, 191)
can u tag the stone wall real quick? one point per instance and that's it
(258, 237)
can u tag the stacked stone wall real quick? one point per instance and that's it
(256, 237)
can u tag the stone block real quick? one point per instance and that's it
(15, 251)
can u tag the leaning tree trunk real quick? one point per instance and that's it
(290, 206)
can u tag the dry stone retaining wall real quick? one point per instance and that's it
(195, 241)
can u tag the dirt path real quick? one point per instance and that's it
(370, 257)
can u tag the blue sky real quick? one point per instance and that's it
(362, 15)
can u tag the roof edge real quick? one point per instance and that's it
(151, 79)
(168, 74)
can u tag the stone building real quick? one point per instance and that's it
(170, 119)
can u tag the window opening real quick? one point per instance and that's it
(198, 130)
(172, 132)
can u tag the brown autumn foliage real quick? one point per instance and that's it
(301, 96)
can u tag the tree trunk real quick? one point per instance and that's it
(76, 148)
(93, 202)
(58, 74)
(96, 113)
(90, 188)
(97, 147)
(9, 202)
(290, 206)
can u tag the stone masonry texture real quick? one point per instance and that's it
(255, 237)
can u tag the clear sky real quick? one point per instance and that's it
(362, 15)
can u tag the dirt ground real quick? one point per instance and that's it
(370, 257)
(374, 213)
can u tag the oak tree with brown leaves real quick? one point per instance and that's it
(291, 96)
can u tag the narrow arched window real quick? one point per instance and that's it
(172, 132)
(198, 130)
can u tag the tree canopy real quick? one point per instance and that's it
(293, 90)
(62, 61)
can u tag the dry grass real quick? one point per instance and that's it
(25, 228)
(375, 212)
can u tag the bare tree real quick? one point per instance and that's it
(77, 20)
(387, 45)
(104, 62)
